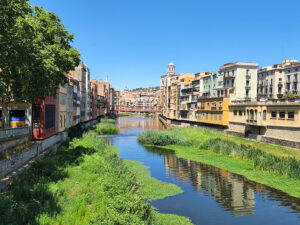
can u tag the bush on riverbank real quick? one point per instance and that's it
(162, 138)
(108, 121)
(106, 128)
(124, 114)
(264, 161)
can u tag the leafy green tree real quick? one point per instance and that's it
(35, 53)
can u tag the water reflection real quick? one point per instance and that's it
(211, 195)
(233, 192)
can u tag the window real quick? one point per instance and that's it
(273, 114)
(235, 112)
(220, 105)
(216, 116)
(49, 116)
(282, 115)
(291, 115)
(264, 115)
(211, 115)
(240, 112)
(220, 116)
(36, 112)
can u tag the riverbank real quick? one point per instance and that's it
(271, 165)
(84, 182)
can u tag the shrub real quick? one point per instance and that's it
(162, 138)
(106, 128)
(108, 121)
(264, 161)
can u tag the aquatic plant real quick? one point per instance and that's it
(106, 128)
(283, 165)
(105, 120)
(162, 138)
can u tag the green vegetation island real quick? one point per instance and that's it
(85, 182)
(275, 166)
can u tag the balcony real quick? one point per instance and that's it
(248, 76)
(247, 85)
(280, 84)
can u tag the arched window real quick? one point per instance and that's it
(264, 115)
(251, 114)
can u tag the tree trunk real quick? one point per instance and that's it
(5, 115)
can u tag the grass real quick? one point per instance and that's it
(108, 121)
(84, 182)
(106, 128)
(152, 188)
(256, 161)
(124, 114)
(162, 138)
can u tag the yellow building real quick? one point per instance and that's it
(62, 107)
(278, 119)
(212, 111)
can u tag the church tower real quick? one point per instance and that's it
(171, 69)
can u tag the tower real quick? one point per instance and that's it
(171, 69)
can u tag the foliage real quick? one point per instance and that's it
(152, 188)
(288, 166)
(35, 52)
(106, 128)
(289, 94)
(83, 183)
(162, 138)
(108, 121)
(124, 114)
(171, 219)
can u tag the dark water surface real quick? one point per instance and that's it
(211, 195)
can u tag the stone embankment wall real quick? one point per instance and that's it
(36, 150)
(10, 138)
(263, 138)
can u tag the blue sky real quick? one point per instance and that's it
(132, 41)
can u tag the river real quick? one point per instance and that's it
(211, 195)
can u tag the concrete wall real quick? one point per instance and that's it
(19, 159)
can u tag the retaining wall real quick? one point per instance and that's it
(18, 161)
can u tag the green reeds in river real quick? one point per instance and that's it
(108, 121)
(162, 138)
(124, 114)
(287, 166)
(106, 128)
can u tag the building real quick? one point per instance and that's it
(212, 111)
(94, 98)
(63, 90)
(270, 82)
(45, 117)
(239, 81)
(274, 119)
(292, 77)
(18, 115)
(69, 104)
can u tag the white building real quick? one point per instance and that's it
(239, 81)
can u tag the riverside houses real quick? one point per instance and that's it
(274, 119)
(262, 104)
(45, 117)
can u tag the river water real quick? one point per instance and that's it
(211, 195)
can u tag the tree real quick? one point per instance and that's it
(35, 53)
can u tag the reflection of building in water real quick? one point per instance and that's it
(229, 190)
(140, 123)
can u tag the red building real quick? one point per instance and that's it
(45, 117)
